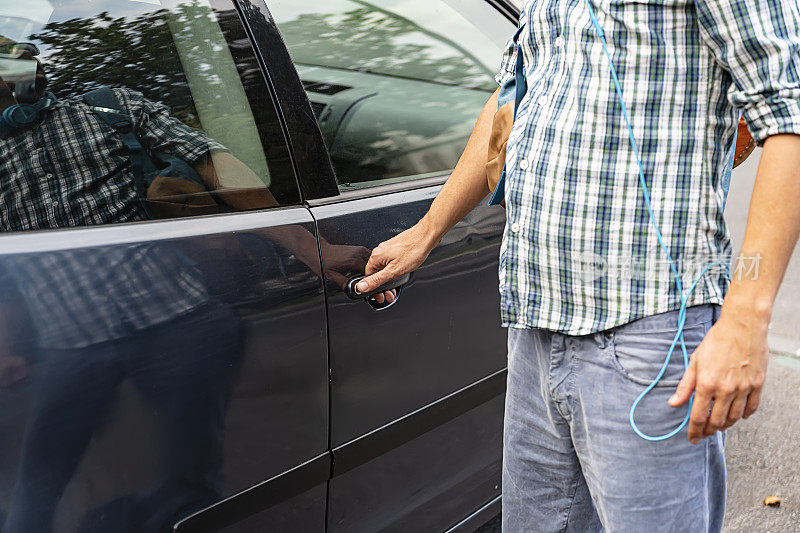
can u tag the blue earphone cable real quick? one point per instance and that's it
(683, 297)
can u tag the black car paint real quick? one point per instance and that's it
(419, 376)
(426, 375)
(280, 304)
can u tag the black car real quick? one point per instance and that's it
(184, 354)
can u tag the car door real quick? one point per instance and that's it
(157, 371)
(416, 388)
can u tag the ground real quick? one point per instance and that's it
(764, 457)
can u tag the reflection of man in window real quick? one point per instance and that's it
(89, 174)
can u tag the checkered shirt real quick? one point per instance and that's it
(72, 170)
(579, 252)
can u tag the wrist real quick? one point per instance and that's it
(748, 306)
(431, 232)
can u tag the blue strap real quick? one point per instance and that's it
(519, 79)
(520, 89)
(684, 295)
(726, 178)
(105, 104)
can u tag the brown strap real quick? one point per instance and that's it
(744, 144)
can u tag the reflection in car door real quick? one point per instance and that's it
(417, 388)
(213, 418)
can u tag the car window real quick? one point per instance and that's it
(396, 86)
(123, 110)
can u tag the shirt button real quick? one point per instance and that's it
(55, 204)
(48, 176)
(543, 100)
(524, 164)
(515, 227)
(559, 41)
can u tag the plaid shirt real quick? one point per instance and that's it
(72, 170)
(579, 253)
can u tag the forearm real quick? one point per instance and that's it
(726, 372)
(467, 184)
(298, 240)
(234, 183)
(773, 225)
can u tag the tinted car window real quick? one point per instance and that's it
(396, 86)
(84, 82)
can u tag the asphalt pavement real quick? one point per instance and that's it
(764, 457)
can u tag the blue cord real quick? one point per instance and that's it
(673, 267)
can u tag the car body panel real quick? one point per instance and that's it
(271, 408)
(442, 335)
(413, 404)
(416, 389)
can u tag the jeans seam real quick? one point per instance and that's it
(551, 367)
(571, 501)
(573, 370)
(641, 382)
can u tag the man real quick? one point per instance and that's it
(583, 348)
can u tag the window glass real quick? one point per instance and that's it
(130, 110)
(396, 85)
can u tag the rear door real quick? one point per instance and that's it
(157, 371)
(417, 388)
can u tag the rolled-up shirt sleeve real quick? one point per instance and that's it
(509, 59)
(158, 130)
(758, 43)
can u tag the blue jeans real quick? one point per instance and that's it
(572, 461)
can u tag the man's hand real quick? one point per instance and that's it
(343, 260)
(728, 369)
(397, 257)
(726, 373)
(465, 187)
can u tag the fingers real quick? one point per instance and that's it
(699, 415)
(378, 270)
(737, 410)
(719, 412)
(752, 402)
(388, 296)
(685, 387)
(376, 262)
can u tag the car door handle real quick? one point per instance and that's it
(353, 294)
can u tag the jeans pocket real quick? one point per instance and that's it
(639, 355)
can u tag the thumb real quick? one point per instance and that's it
(373, 281)
(685, 387)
